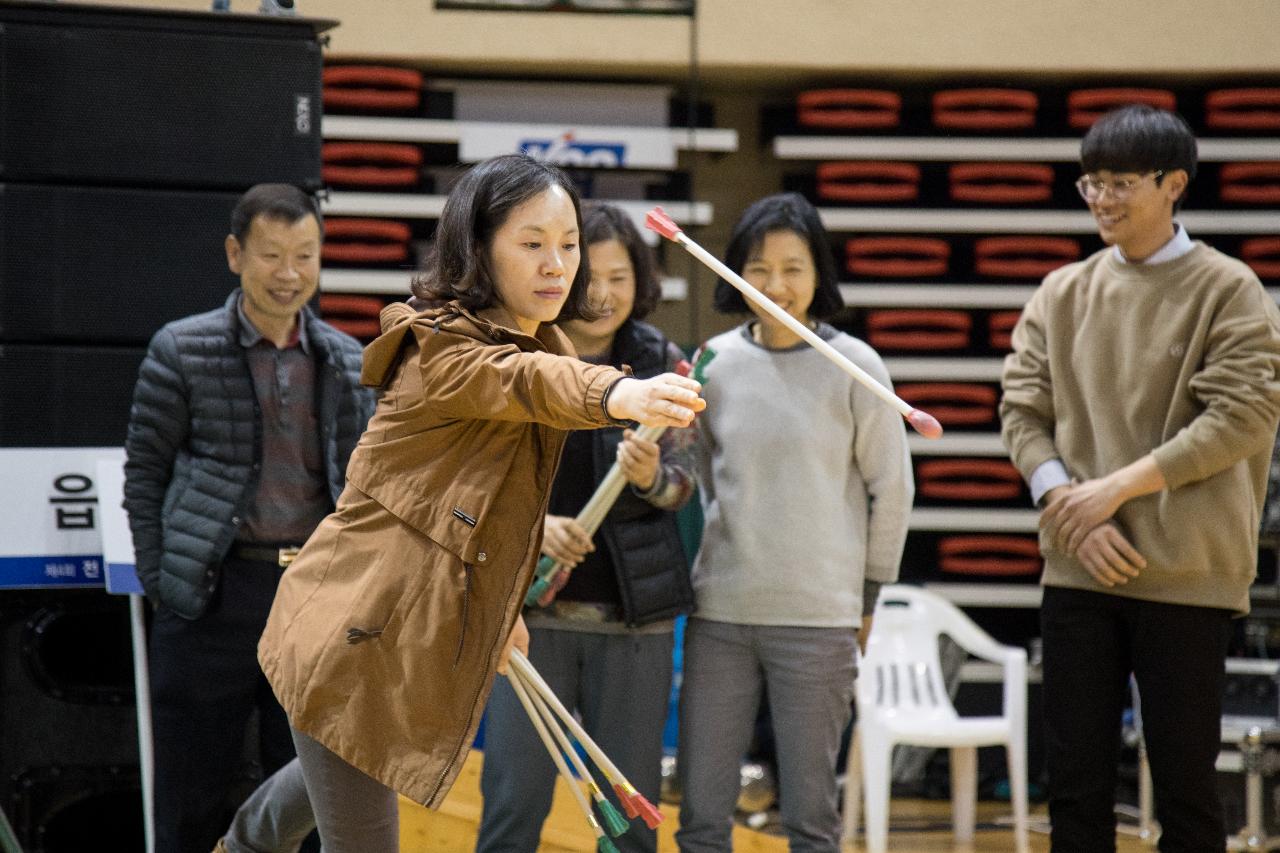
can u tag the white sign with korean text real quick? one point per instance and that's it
(597, 147)
(117, 539)
(50, 525)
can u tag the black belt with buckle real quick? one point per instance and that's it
(280, 555)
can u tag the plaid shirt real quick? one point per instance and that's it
(291, 497)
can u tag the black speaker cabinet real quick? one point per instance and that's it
(73, 808)
(66, 396)
(83, 265)
(93, 94)
(68, 731)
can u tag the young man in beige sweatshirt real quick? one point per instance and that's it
(1141, 404)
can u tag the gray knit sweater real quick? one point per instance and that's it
(805, 481)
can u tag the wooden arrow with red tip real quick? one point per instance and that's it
(633, 802)
(921, 421)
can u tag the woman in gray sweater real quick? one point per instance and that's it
(806, 489)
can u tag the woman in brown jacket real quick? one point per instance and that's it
(389, 626)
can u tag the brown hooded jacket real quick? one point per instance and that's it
(387, 629)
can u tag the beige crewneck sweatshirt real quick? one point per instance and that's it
(1181, 359)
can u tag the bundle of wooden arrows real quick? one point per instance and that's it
(551, 719)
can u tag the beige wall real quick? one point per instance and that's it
(799, 39)
(994, 35)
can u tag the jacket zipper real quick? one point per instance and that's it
(466, 608)
(462, 742)
(474, 695)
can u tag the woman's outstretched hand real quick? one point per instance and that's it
(668, 400)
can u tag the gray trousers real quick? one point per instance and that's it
(354, 813)
(809, 673)
(620, 684)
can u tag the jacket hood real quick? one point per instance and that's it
(489, 325)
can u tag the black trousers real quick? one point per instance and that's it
(1176, 653)
(205, 685)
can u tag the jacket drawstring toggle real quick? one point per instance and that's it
(359, 635)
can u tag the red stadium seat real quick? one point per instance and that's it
(954, 404)
(353, 314)
(1250, 183)
(1243, 109)
(1263, 255)
(375, 88)
(849, 109)
(1000, 329)
(897, 257)
(972, 480)
(1001, 183)
(382, 164)
(1023, 257)
(989, 555)
(371, 241)
(985, 109)
(1085, 106)
(922, 329)
(872, 181)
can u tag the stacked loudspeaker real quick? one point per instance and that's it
(125, 138)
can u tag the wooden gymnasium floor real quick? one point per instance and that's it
(453, 828)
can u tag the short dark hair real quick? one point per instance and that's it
(603, 222)
(283, 202)
(457, 266)
(782, 212)
(1140, 138)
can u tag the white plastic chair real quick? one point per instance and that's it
(902, 700)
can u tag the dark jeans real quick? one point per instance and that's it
(205, 685)
(1176, 653)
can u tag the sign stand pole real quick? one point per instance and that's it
(122, 579)
(142, 690)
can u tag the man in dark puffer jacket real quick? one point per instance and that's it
(243, 421)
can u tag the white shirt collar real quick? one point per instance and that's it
(1178, 246)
